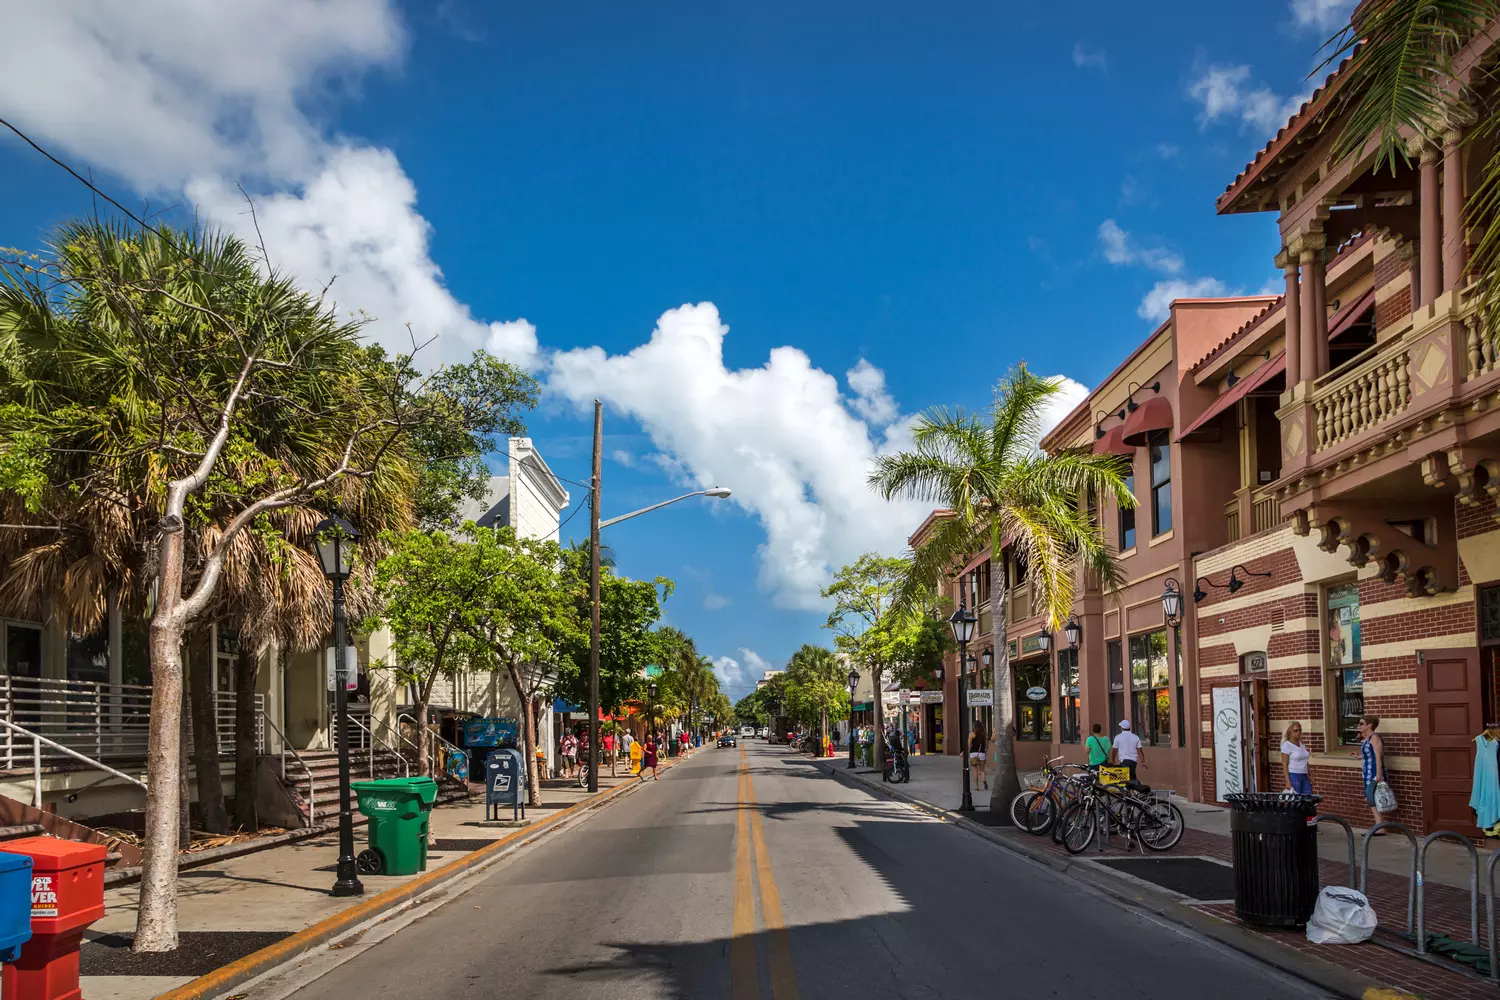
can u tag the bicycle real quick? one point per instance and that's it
(1155, 823)
(1035, 810)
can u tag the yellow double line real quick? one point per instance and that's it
(743, 968)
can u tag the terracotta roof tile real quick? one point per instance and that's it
(1284, 136)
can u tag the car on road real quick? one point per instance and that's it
(746, 732)
(727, 740)
(763, 733)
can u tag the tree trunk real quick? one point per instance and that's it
(156, 920)
(185, 740)
(1005, 784)
(528, 736)
(246, 751)
(424, 739)
(822, 732)
(206, 740)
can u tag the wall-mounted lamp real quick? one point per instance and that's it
(1130, 403)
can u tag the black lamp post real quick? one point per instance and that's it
(1073, 632)
(1171, 609)
(962, 622)
(853, 683)
(336, 539)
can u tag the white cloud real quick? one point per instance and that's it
(1065, 402)
(1084, 59)
(1167, 150)
(624, 457)
(871, 400)
(733, 679)
(715, 602)
(1119, 248)
(1226, 92)
(755, 663)
(183, 97)
(1321, 15)
(1156, 305)
(782, 436)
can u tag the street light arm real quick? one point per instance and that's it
(717, 492)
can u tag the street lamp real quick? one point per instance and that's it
(716, 492)
(1044, 641)
(336, 539)
(651, 711)
(1171, 609)
(1171, 602)
(853, 683)
(1073, 631)
(962, 622)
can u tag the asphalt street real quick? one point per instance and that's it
(747, 873)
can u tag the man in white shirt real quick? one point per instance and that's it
(1128, 750)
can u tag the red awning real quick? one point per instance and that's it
(1155, 414)
(1243, 388)
(1350, 314)
(1111, 443)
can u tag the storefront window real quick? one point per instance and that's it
(1067, 694)
(1033, 701)
(1116, 684)
(1151, 698)
(1341, 649)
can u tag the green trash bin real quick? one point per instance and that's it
(399, 810)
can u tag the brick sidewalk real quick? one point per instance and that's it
(1447, 910)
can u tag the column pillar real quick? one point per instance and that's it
(1287, 261)
(1314, 330)
(1430, 246)
(1455, 248)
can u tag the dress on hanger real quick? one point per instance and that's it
(1485, 798)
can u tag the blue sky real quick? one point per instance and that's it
(885, 205)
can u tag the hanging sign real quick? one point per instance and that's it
(351, 668)
(1036, 693)
(932, 697)
(981, 697)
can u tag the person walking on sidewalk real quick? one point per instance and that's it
(978, 746)
(649, 761)
(569, 754)
(1128, 752)
(1294, 760)
(1098, 747)
(1372, 762)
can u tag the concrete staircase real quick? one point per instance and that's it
(323, 766)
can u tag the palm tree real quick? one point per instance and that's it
(1005, 493)
(819, 676)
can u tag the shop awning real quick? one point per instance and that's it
(861, 706)
(1112, 443)
(1155, 414)
(1242, 388)
(1350, 314)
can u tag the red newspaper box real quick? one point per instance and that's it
(67, 894)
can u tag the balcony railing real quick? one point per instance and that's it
(1232, 520)
(1267, 510)
(1363, 393)
(107, 722)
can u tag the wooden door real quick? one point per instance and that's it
(1254, 733)
(1449, 716)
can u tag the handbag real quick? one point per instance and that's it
(1385, 799)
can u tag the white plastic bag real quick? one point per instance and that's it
(1385, 799)
(1342, 916)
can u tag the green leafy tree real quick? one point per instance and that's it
(426, 586)
(1004, 492)
(863, 594)
(521, 614)
(817, 687)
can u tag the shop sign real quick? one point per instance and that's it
(1036, 693)
(932, 697)
(981, 698)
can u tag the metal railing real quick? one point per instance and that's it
(433, 737)
(286, 746)
(102, 722)
(37, 741)
(370, 744)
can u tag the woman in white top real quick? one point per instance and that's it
(1294, 760)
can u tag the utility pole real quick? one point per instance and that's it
(594, 489)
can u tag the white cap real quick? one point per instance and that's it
(1124, 723)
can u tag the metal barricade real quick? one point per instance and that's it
(1489, 910)
(1412, 882)
(1473, 886)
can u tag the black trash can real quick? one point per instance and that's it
(1275, 857)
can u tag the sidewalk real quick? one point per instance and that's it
(231, 909)
(1196, 878)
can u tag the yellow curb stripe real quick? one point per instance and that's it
(744, 979)
(783, 972)
(221, 979)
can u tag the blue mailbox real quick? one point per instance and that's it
(15, 905)
(505, 783)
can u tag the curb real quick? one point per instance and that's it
(1323, 974)
(257, 963)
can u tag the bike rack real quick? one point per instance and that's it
(1348, 833)
(1489, 911)
(1473, 885)
(1412, 881)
